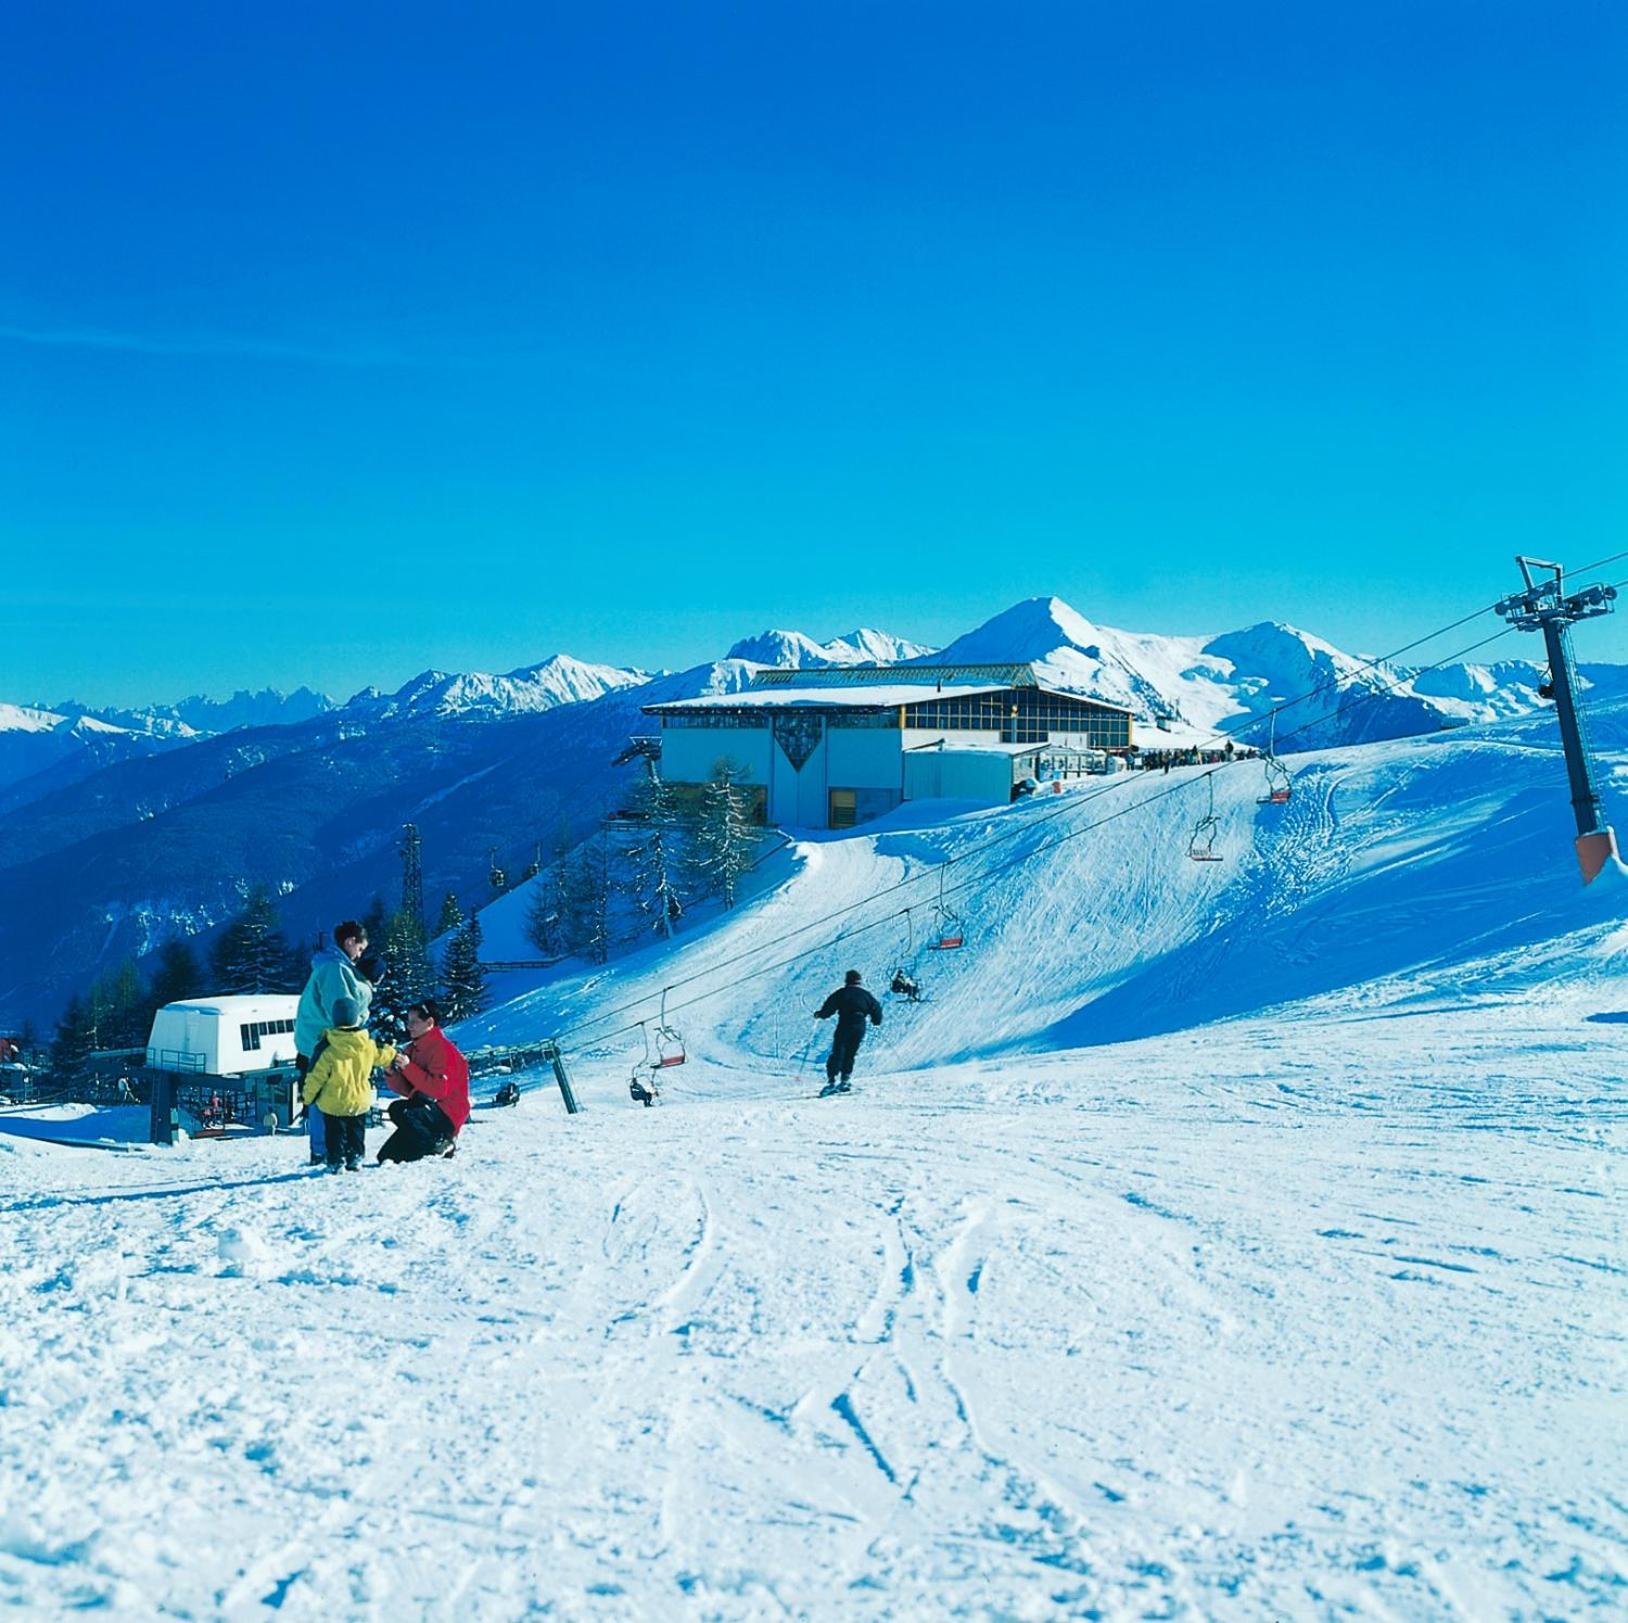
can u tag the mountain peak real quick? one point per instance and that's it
(796, 650)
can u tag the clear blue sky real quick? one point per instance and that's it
(339, 341)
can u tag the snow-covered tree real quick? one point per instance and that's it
(451, 914)
(251, 954)
(657, 857)
(463, 980)
(726, 839)
(547, 924)
(407, 977)
(587, 908)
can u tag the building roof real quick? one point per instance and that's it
(872, 687)
(847, 676)
(872, 696)
(240, 1006)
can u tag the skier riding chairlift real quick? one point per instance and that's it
(904, 983)
(663, 1050)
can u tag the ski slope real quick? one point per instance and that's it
(1237, 1240)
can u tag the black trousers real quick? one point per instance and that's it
(347, 1137)
(844, 1048)
(422, 1128)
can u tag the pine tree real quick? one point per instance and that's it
(463, 978)
(119, 1009)
(408, 977)
(374, 920)
(725, 837)
(73, 1044)
(177, 975)
(657, 857)
(251, 954)
(587, 908)
(547, 924)
(451, 914)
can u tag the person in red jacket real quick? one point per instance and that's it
(433, 1079)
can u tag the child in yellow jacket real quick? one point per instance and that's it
(340, 1083)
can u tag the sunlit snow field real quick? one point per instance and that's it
(1232, 1240)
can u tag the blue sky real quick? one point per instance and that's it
(337, 342)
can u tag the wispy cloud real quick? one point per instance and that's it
(209, 345)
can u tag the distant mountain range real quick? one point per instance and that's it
(119, 829)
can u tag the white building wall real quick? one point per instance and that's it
(689, 754)
(984, 776)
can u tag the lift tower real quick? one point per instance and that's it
(410, 849)
(1546, 606)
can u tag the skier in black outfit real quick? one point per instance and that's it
(853, 1006)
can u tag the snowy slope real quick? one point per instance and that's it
(1232, 1241)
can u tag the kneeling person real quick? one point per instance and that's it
(340, 1083)
(433, 1078)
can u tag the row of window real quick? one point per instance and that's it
(1019, 715)
(1023, 716)
(254, 1030)
(758, 717)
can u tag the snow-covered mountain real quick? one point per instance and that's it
(43, 749)
(202, 717)
(532, 689)
(1191, 688)
(795, 650)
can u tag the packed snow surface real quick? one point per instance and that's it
(1234, 1240)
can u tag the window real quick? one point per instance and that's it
(715, 718)
(253, 1030)
(851, 806)
(863, 718)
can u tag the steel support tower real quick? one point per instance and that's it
(1546, 606)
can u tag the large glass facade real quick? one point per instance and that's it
(1024, 716)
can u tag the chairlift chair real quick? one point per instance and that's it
(1278, 780)
(903, 982)
(1278, 783)
(669, 1045)
(1201, 844)
(663, 1050)
(948, 933)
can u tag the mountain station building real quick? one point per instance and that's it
(834, 747)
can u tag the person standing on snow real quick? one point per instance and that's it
(853, 1006)
(434, 1079)
(335, 973)
(340, 1084)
